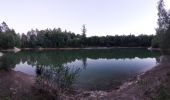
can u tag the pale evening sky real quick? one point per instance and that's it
(101, 17)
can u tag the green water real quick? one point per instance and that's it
(102, 69)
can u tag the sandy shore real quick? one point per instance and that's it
(86, 48)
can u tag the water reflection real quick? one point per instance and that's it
(80, 69)
(84, 60)
(7, 62)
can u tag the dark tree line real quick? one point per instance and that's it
(162, 38)
(8, 37)
(56, 38)
(120, 41)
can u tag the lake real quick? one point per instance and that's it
(91, 69)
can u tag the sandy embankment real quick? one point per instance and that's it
(14, 84)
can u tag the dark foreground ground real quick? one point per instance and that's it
(19, 86)
(152, 85)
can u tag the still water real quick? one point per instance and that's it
(100, 69)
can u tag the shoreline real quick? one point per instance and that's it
(76, 48)
(142, 87)
(154, 49)
(135, 89)
(86, 48)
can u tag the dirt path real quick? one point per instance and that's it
(14, 84)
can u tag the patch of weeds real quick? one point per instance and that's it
(143, 84)
(163, 94)
(24, 96)
(7, 98)
(140, 82)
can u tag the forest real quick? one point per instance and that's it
(56, 38)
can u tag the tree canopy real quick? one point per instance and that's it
(163, 31)
(56, 38)
(8, 37)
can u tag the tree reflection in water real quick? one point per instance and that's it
(54, 71)
(7, 62)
